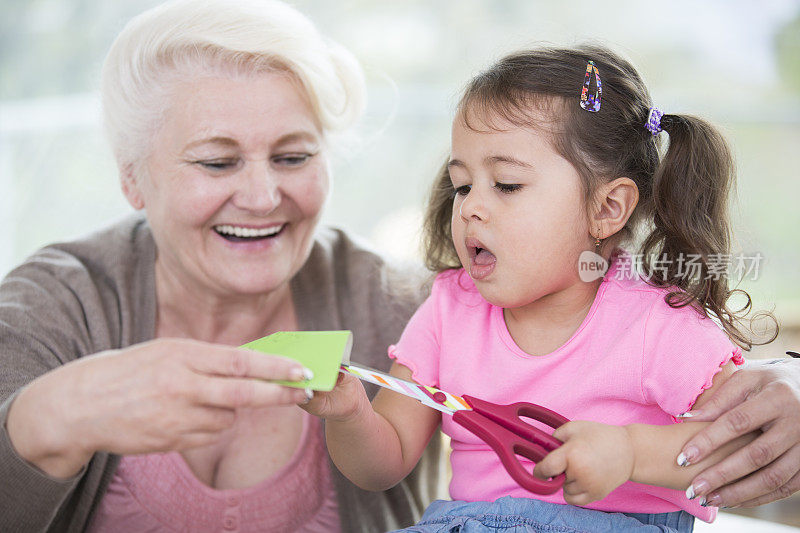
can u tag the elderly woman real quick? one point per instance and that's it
(124, 405)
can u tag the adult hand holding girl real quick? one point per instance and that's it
(764, 396)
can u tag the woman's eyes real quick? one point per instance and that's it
(463, 190)
(284, 160)
(292, 160)
(217, 164)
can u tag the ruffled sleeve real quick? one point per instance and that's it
(419, 345)
(683, 351)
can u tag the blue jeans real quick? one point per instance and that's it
(524, 515)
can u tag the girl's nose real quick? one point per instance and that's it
(473, 206)
(258, 189)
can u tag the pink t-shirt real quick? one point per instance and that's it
(159, 492)
(633, 360)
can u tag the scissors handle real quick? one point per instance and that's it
(501, 428)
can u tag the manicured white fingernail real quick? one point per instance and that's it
(687, 414)
(703, 502)
(690, 492)
(308, 374)
(683, 460)
(309, 394)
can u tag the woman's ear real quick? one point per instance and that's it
(130, 187)
(614, 205)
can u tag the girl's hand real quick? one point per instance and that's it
(162, 395)
(347, 400)
(597, 458)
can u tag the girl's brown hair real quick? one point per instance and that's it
(683, 196)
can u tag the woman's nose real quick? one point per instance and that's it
(258, 189)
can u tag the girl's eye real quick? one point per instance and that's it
(507, 187)
(463, 190)
(292, 160)
(217, 164)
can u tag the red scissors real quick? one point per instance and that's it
(499, 426)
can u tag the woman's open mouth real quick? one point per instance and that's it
(245, 234)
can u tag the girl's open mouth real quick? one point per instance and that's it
(481, 260)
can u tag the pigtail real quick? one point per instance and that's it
(683, 196)
(691, 232)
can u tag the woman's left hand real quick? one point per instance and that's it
(597, 458)
(765, 396)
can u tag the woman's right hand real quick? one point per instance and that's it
(162, 395)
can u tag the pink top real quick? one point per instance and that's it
(633, 360)
(158, 492)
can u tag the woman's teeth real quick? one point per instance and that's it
(238, 231)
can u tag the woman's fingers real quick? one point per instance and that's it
(762, 451)
(733, 392)
(235, 393)
(239, 362)
(786, 490)
(778, 480)
(771, 394)
(211, 419)
(745, 418)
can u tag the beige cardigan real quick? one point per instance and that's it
(98, 293)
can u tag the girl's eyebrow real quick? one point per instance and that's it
(491, 161)
(495, 159)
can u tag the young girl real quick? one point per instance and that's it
(555, 154)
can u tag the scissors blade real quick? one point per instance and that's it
(430, 396)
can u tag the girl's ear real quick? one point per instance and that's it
(615, 202)
(130, 187)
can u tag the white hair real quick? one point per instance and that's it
(181, 39)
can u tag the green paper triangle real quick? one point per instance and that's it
(320, 351)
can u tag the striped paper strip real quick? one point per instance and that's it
(421, 393)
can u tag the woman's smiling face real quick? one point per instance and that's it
(235, 183)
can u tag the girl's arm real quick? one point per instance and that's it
(597, 458)
(375, 446)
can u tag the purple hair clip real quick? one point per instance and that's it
(653, 123)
